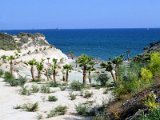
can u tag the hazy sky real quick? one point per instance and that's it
(47, 14)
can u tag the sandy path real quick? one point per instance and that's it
(9, 98)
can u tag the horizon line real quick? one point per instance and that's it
(81, 28)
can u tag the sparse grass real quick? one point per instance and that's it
(72, 96)
(53, 84)
(8, 77)
(30, 107)
(34, 89)
(21, 80)
(52, 98)
(24, 91)
(77, 86)
(59, 110)
(45, 89)
(87, 94)
(82, 109)
(62, 88)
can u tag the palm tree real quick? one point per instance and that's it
(63, 78)
(108, 66)
(67, 68)
(10, 59)
(46, 74)
(83, 61)
(39, 66)
(54, 67)
(90, 69)
(117, 61)
(32, 63)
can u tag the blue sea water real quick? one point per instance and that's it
(98, 43)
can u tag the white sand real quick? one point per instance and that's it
(10, 97)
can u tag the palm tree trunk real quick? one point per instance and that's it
(89, 76)
(67, 76)
(39, 75)
(76, 64)
(32, 73)
(116, 72)
(84, 75)
(11, 68)
(63, 78)
(54, 75)
(47, 75)
(113, 76)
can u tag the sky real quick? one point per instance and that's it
(79, 14)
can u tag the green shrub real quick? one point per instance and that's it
(102, 78)
(154, 64)
(21, 81)
(24, 91)
(62, 88)
(28, 107)
(133, 79)
(72, 96)
(45, 89)
(31, 107)
(150, 101)
(52, 98)
(152, 115)
(59, 110)
(146, 74)
(8, 76)
(82, 109)
(77, 86)
(1, 72)
(53, 84)
(34, 89)
(87, 94)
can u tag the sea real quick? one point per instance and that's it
(99, 43)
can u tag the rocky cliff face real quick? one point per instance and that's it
(12, 42)
(153, 47)
(28, 46)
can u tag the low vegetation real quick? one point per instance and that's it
(72, 96)
(52, 98)
(9, 78)
(28, 107)
(83, 109)
(59, 110)
(87, 94)
(76, 86)
(25, 91)
(45, 89)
